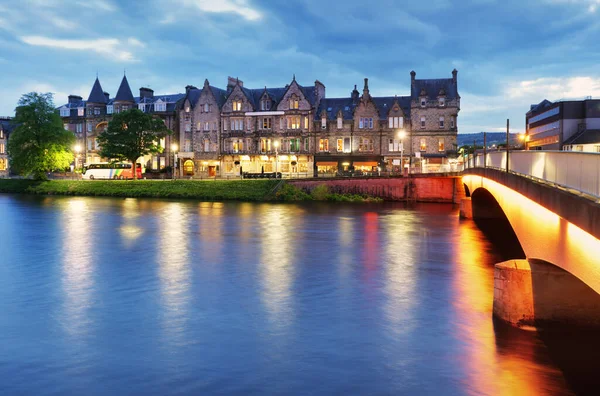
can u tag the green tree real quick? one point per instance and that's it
(39, 143)
(131, 135)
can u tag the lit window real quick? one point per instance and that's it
(422, 122)
(293, 122)
(340, 123)
(423, 145)
(441, 144)
(207, 126)
(294, 103)
(441, 122)
(266, 124)
(305, 122)
(323, 144)
(2, 164)
(238, 145)
(340, 145)
(1, 133)
(237, 105)
(323, 123)
(187, 109)
(2, 148)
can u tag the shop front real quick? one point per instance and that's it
(207, 168)
(290, 166)
(330, 166)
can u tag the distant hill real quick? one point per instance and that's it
(491, 137)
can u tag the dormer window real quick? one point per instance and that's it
(142, 107)
(340, 122)
(187, 108)
(206, 108)
(80, 111)
(64, 112)
(423, 102)
(294, 104)
(442, 102)
(109, 109)
(96, 111)
(160, 106)
(265, 105)
(237, 105)
(323, 123)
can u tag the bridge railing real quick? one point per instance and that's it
(572, 170)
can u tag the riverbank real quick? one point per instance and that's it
(208, 190)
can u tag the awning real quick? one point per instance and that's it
(367, 163)
(327, 163)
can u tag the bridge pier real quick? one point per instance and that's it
(466, 208)
(534, 293)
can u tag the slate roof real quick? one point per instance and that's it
(97, 93)
(124, 93)
(590, 136)
(347, 106)
(276, 94)
(7, 125)
(432, 88)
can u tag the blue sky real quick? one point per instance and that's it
(509, 54)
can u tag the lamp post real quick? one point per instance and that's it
(401, 136)
(276, 144)
(174, 150)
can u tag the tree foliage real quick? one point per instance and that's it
(39, 143)
(131, 135)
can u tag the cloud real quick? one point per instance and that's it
(239, 7)
(555, 88)
(592, 5)
(105, 46)
(101, 5)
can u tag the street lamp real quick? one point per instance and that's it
(401, 136)
(276, 144)
(174, 150)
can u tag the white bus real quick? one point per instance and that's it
(115, 170)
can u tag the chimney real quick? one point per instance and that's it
(232, 82)
(355, 95)
(107, 96)
(74, 99)
(146, 93)
(188, 88)
(319, 91)
(454, 75)
(412, 77)
(366, 89)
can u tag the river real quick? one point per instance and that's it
(134, 296)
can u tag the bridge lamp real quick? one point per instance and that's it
(276, 144)
(401, 136)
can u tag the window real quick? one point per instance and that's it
(238, 145)
(294, 103)
(442, 101)
(423, 102)
(206, 108)
(237, 124)
(1, 133)
(79, 128)
(365, 123)
(90, 144)
(340, 145)
(124, 107)
(2, 148)
(187, 108)
(396, 122)
(340, 123)
(65, 112)
(266, 123)
(66, 126)
(305, 122)
(441, 122)
(89, 127)
(206, 145)
(109, 109)
(423, 145)
(395, 145)
(347, 146)
(265, 145)
(237, 105)
(187, 145)
(142, 107)
(80, 111)
(293, 122)
(294, 145)
(422, 122)
(160, 107)
(451, 122)
(365, 144)
(306, 144)
(265, 105)
(2, 164)
(441, 144)
(323, 123)
(323, 144)
(207, 126)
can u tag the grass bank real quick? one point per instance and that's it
(210, 190)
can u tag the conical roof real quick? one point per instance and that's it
(124, 93)
(97, 93)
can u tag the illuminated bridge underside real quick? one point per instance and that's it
(552, 225)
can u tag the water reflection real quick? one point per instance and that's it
(130, 230)
(77, 235)
(174, 270)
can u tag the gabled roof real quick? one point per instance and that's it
(433, 87)
(124, 93)
(333, 105)
(97, 93)
(6, 125)
(384, 104)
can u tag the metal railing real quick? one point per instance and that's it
(576, 171)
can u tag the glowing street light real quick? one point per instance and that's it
(276, 144)
(174, 150)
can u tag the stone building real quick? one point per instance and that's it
(365, 133)
(5, 129)
(88, 118)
